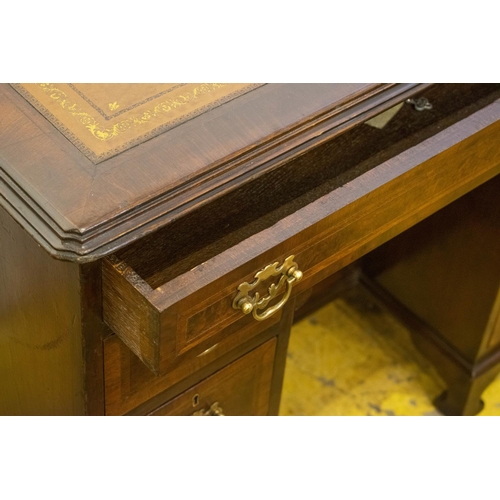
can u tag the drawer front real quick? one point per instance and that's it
(130, 384)
(181, 318)
(242, 388)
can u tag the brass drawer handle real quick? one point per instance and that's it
(289, 274)
(214, 411)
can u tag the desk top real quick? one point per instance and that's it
(103, 120)
(88, 168)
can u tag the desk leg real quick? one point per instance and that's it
(464, 397)
(285, 326)
(443, 277)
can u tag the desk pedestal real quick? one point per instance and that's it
(443, 278)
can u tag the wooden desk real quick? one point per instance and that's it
(123, 267)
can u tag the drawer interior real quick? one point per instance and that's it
(207, 232)
(171, 296)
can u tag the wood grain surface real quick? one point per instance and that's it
(41, 355)
(445, 275)
(262, 202)
(324, 236)
(446, 270)
(243, 388)
(242, 193)
(81, 211)
(131, 388)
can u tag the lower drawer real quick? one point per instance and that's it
(241, 388)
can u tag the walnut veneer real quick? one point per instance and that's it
(117, 278)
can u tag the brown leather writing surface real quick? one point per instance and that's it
(103, 120)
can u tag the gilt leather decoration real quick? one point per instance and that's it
(103, 120)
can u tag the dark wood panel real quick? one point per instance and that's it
(446, 270)
(131, 387)
(242, 388)
(93, 333)
(41, 355)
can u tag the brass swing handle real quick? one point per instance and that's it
(288, 273)
(214, 411)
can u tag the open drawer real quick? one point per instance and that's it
(180, 291)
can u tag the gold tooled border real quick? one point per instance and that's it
(126, 110)
(98, 158)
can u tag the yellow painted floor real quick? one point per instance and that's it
(353, 358)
